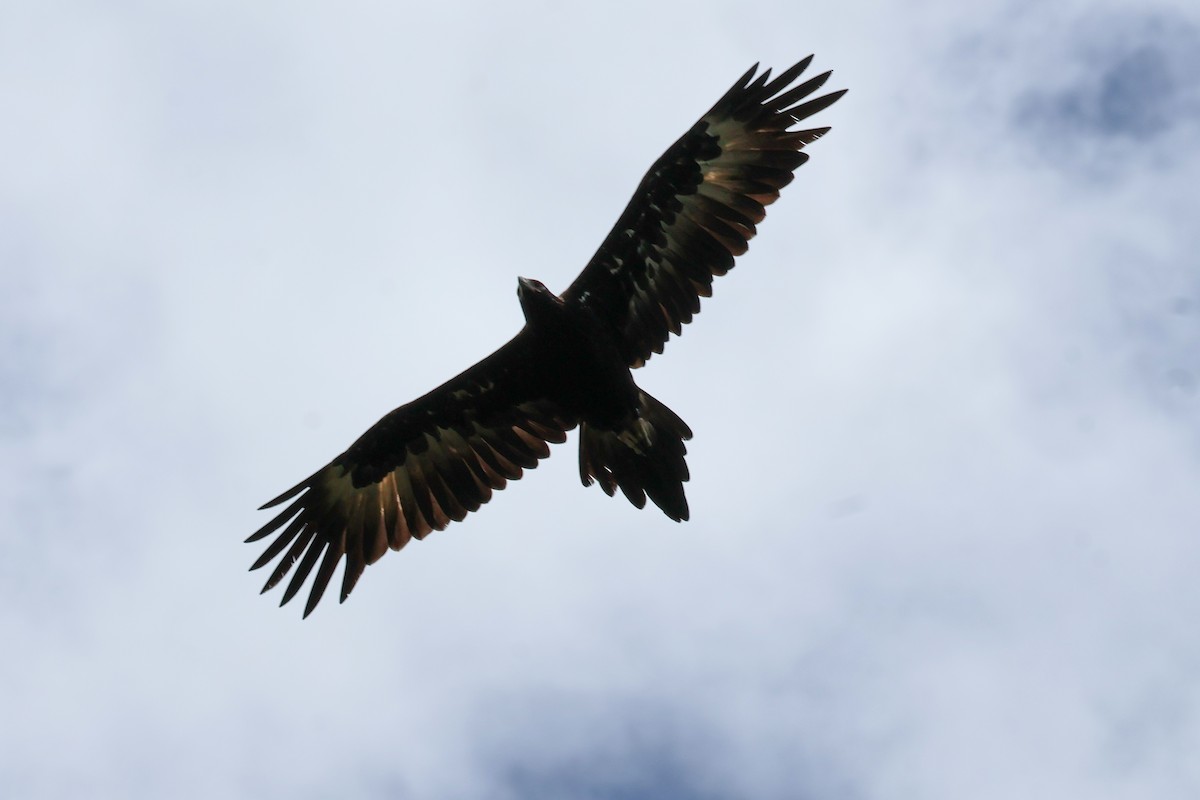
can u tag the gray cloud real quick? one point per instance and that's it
(1136, 84)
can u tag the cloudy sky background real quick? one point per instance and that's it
(946, 473)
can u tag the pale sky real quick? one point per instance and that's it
(945, 481)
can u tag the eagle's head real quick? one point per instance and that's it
(537, 301)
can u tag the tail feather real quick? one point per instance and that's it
(644, 458)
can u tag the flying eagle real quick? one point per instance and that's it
(434, 460)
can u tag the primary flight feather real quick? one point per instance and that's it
(440, 457)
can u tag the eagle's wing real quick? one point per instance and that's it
(422, 466)
(696, 209)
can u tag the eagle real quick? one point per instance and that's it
(433, 461)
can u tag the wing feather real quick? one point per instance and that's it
(421, 467)
(306, 564)
(697, 208)
(325, 572)
(294, 552)
(281, 541)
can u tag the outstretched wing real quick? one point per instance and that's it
(695, 210)
(420, 467)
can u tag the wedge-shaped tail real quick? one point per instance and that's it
(644, 458)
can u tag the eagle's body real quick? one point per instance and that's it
(586, 376)
(441, 456)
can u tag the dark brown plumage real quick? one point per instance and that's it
(440, 457)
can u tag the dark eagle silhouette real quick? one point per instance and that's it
(440, 457)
